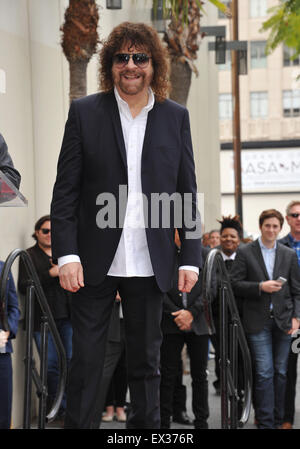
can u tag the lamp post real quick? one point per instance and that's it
(239, 67)
(236, 115)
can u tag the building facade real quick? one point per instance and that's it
(270, 120)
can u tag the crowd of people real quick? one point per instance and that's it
(265, 276)
(120, 292)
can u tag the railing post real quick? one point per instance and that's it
(43, 372)
(35, 292)
(224, 358)
(29, 307)
(234, 374)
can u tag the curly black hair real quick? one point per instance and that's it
(232, 222)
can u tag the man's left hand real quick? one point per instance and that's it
(183, 319)
(295, 326)
(186, 280)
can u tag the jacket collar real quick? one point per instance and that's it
(260, 259)
(113, 109)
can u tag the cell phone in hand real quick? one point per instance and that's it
(281, 280)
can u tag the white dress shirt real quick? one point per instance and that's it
(132, 257)
(225, 257)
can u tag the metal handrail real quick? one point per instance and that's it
(35, 289)
(214, 263)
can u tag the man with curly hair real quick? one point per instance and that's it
(129, 135)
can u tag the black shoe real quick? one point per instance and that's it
(217, 387)
(183, 418)
(202, 425)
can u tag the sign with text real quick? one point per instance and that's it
(263, 170)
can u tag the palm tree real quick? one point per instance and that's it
(80, 39)
(79, 42)
(183, 37)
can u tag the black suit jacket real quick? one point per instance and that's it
(285, 241)
(59, 300)
(173, 302)
(93, 161)
(249, 270)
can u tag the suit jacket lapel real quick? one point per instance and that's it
(115, 115)
(149, 132)
(259, 258)
(278, 261)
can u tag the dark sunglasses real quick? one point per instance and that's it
(139, 59)
(45, 230)
(294, 215)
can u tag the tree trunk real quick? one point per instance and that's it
(78, 83)
(181, 76)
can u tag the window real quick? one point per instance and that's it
(258, 8)
(258, 55)
(227, 64)
(220, 14)
(291, 103)
(225, 106)
(287, 54)
(259, 104)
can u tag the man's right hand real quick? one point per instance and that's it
(271, 286)
(71, 276)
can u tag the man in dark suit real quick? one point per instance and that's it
(231, 233)
(266, 279)
(184, 322)
(128, 136)
(291, 240)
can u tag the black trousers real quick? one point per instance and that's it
(115, 355)
(290, 389)
(91, 310)
(179, 398)
(117, 390)
(5, 390)
(197, 346)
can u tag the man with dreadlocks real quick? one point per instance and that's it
(231, 233)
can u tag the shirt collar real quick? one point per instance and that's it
(264, 247)
(231, 257)
(123, 104)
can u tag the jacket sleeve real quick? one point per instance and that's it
(13, 312)
(190, 233)
(66, 190)
(238, 276)
(168, 305)
(197, 307)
